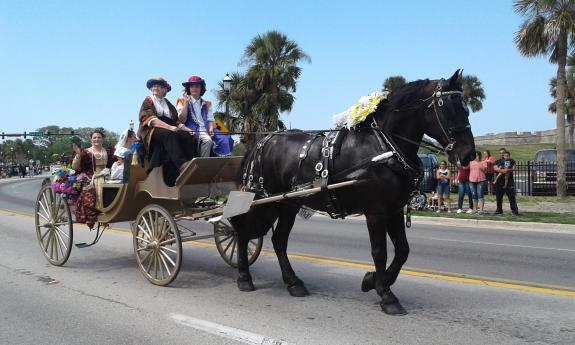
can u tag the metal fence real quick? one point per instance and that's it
(531, 178)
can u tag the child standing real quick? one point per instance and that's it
(443, 176)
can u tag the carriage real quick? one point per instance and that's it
(157, 214)
(376, 159)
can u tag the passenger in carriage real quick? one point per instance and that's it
(92, 162)
(117, 174)
(127, 145)
(196, 113)
(223, 143)
(167, 141)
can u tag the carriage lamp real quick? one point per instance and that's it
(131, 125)
(227, 87)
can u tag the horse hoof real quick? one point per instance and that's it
(368, 282)
(246, 285)
(298, 290)
(394, 309)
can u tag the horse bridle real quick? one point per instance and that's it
(437, 104)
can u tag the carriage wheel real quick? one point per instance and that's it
(157, 245)
(53, 225)
(227, 241)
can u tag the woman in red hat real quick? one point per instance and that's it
(196, 113)
(167, 141)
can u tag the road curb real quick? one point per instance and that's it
(495, 224)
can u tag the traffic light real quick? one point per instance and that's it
(2, 135)
(24, 135)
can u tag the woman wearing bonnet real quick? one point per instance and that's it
(167, 141)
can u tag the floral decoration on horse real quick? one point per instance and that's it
(357, 113)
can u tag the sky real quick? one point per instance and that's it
(85, 63)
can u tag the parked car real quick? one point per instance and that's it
(544, 172)
(429, 162)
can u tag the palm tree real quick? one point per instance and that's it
(473, 94)
(548, 29)
(272, 75)
(570, 108)
(393, 83)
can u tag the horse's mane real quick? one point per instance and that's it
(408, 93)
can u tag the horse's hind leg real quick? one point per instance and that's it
(382, 278)
(280, 238)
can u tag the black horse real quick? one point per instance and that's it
(295, 160)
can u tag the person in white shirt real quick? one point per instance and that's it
(196, 113)
(117, 175)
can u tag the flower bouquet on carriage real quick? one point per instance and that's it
(67, 183)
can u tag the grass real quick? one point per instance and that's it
(520, 153)
(532, 208)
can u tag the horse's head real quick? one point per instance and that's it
(447, 119)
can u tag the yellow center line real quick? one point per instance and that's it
(517, 285)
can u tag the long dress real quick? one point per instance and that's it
(163, 147)
(90, 203)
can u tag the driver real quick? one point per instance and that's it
(167, 141)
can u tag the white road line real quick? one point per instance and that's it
(225, 331)
(493, 244)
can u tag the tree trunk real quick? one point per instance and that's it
(561, 111)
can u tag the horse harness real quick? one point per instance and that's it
(331, 142)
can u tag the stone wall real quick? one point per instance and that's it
(518, 138)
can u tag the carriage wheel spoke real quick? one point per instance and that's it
(61, 232)
(142, 239)
(160, 267)
(167, 242)
(164, 231)
(41, 215)
(165, 263)
(233, 249)
(152, 226)
(167, 256)
(61, 243)
(229, 244)
(144, 230)
(169, 250)
(225, 239)
(44, 205)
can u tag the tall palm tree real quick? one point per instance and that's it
(473, 94)
(393, 83)
(570, 103)
(548, 29)
(272, 60)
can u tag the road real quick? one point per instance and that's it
(460, 285)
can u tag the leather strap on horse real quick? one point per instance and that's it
(255, 169)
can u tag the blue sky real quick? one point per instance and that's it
(85, 63)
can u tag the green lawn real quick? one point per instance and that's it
(520, 153)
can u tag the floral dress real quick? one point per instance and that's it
(89, 203)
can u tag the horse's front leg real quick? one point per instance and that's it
(280, 237)
(245, 282)
(381, 279)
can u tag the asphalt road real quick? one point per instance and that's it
(100, 297)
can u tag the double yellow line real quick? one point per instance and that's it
(518, 285)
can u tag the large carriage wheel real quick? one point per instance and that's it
(53, 225)
(157, 245)
(227, 242)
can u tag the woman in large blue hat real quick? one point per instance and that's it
(167, 141)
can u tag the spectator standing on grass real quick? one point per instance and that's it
(505, 166)
(462, 179)
(443, 176)
(477, 180)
